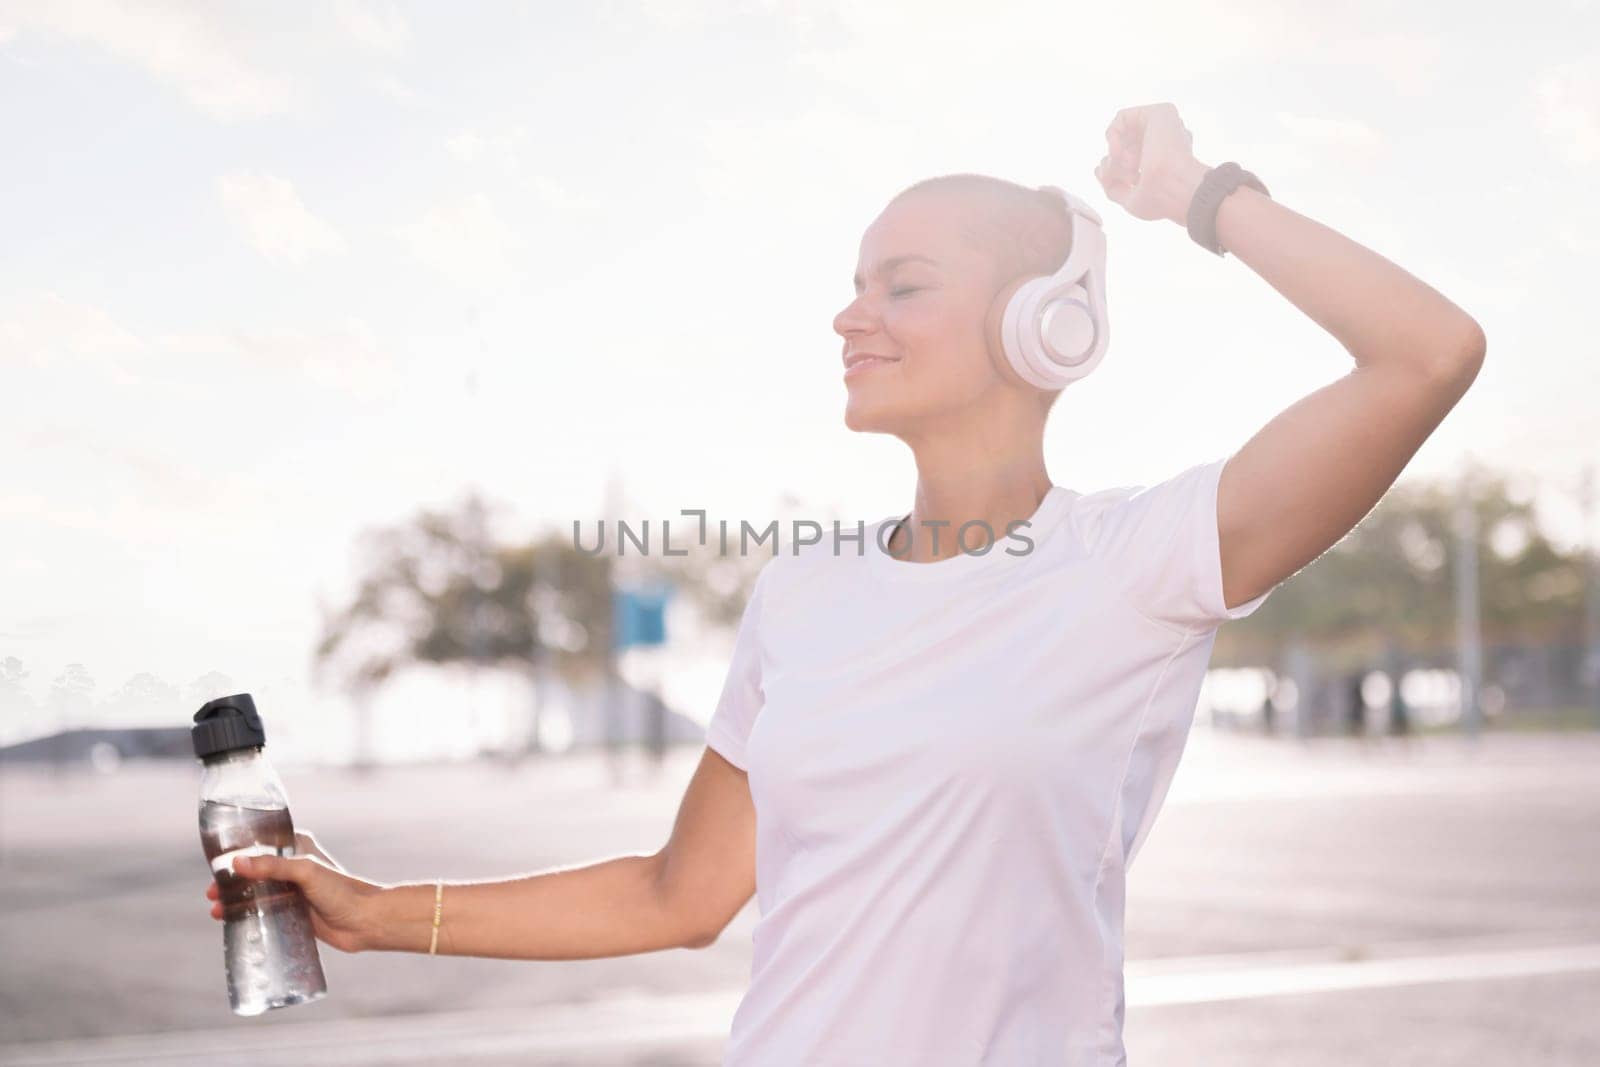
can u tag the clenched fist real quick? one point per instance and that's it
(1149, 166)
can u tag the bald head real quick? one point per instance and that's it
(1023, 231)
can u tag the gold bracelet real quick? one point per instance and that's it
(438, 907)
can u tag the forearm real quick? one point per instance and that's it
(611, 908)
(1379, 312)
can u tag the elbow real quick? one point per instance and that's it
(1472, 345)
(1461, 357)
(1470, 355)
(702, 940)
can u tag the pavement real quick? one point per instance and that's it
(1435, 901)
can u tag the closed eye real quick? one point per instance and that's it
(898, 292)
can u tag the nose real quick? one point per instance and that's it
(853, 319)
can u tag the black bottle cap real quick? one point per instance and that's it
(226, 724)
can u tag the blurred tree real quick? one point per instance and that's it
(11, 677)
(209, 686)
(437, 589)
(434, 591)
(1390, 579)
(72, 696)
(144, 698)
(17, 706)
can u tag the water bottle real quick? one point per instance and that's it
(269, 948)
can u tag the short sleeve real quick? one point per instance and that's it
(741, 695)
(1162, 546)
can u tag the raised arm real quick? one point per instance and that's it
(1315, 470)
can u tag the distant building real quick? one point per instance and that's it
(588, 717)
(102, 743)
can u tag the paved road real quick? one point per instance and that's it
(1307, 905)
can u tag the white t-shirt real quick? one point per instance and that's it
(952, 765)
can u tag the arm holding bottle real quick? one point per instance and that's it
(679, 897)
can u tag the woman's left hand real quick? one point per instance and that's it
(1149, 166)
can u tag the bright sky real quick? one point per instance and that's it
(271, 277)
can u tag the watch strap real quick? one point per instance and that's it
(1218, 182)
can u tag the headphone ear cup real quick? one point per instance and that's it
(1000, 355)
(1067, 326)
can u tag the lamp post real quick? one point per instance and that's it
(1591, 614)
(1469, 638)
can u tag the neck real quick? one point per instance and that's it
(994, 482)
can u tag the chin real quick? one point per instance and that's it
(856, 419)
(867, 417)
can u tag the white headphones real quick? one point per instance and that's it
(1053, 330)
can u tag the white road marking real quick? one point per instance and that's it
(1248, 983)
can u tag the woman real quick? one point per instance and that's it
(955, 754)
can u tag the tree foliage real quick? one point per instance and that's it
(437, 589)
(1393, 578)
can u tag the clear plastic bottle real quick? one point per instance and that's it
(269, 948)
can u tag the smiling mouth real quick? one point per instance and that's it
(856, 366)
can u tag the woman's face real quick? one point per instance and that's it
(921, 296)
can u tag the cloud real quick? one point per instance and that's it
(900, 53)
(44, 329)
(1344, 134)
(47, 331)
(376, 26)
(78, 451)
(343, 355)
(463, 238)
(1568, 109)
(388, 85)
(275, 220)
(503, 147)
(480, 144)
(670, 14)
(31, 629)
(1412, 62)
(562, 198)
(187, 46)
